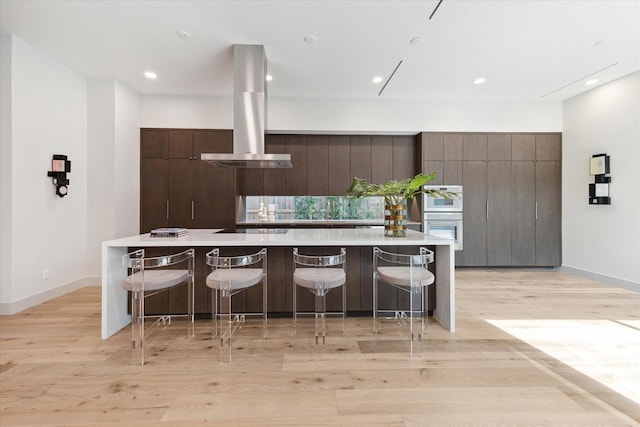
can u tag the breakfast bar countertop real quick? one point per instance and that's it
(114, 299)
(293, 237)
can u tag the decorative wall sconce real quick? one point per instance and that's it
(60, 167)
(599, 191)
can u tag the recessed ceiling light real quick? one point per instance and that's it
(150, 75)
(183, 34)
(416, 40)
(591, 82)
(603, 41)
(479, 81)
(309, 39)
(377, 79)
(268, 77)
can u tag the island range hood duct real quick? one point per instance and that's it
(249, 114)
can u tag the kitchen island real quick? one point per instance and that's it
(114, 299)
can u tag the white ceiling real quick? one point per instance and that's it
(526, 50)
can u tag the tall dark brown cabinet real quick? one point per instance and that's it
(177, 189)
(512, 194)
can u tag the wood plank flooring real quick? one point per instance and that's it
(56, 371)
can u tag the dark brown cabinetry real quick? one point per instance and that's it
(512, 194)
(179, 190)
(325, 165)
(442, 154)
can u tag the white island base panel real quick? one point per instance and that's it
(114, 298)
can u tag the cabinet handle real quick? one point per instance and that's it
(536, 210)
(192, 211)
(487, 210)
(167, 210)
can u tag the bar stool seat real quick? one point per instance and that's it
(234, 280)
(155, 280)
(406, 277)
(319, 280)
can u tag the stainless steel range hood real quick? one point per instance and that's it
(249, 114)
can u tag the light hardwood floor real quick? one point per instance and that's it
(56, 371)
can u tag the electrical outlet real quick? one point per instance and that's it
(46, 273)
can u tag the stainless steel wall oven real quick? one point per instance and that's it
(443, 217)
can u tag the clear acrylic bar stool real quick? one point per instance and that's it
(410, 274)
(319, 274)
(230, 275)
(149, 276)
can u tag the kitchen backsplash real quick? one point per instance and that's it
(315, 207)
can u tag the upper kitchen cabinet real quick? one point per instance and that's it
(442, 154)
(181, 144)
(339, 164)
(549, 147)
(523, 147)
(325, 165)
(317, 165)
(361, 157)
(274, 179)
(499, 146)
(474, 146)
(404, 157)
(381, 159)
(296, 176)
(154, 143)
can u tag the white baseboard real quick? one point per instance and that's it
(14, 307)
(614, 281)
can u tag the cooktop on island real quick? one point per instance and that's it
(256, 231)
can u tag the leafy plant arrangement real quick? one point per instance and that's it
(397, 192)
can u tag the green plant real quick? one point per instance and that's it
(396, 192)
(305, 207)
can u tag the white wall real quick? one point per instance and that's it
(604, 240)
(48, 116)
(358, 116)
(113, 157)
(127, 162)
(6, 192)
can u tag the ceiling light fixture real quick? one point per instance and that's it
(183, 34)
(603, 41)
(377, 79)
(416, 40)
(591, 82)
(150, 75)
(479, 81)
(309, 39)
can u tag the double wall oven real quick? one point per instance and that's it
(443, 217)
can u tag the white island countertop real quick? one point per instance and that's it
(114, 298)
(293, 237)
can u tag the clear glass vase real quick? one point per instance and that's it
(395, 220)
